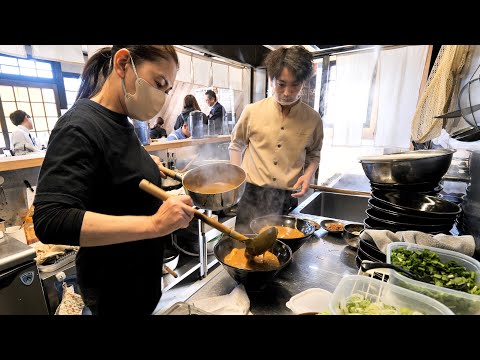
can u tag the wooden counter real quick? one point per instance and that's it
(164, 145)
(36, 159)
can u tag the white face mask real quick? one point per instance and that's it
(278, 96)
(147, 101)
(285, 103)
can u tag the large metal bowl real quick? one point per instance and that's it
(212, 173)
(411, 167)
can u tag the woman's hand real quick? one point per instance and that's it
(175, 213)
(158, 162)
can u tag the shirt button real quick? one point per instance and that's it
(279, 145)
(275, 162)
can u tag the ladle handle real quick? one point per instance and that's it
(161, 194)
(170, 172)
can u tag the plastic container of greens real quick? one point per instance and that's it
(461, 303)
(370, 296)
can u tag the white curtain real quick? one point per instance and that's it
(201, 71)
(185, 67)
(220, 75)
(400, 74)
(14, 50)
(349, 112)
(235, 75)
(62, 53)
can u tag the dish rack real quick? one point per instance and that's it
(379, 274)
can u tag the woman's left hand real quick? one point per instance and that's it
(303, 182)
(158, 162)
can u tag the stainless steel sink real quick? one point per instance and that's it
(337, 206)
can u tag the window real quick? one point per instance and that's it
(25, 67)
(38, 102)
(72, 84)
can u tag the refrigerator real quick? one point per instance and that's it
(21, 291)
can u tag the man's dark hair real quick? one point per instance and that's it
(296, 59)
(18, 116)
(211, 94)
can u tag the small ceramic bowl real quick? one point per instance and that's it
(325, 224)
(351, 233)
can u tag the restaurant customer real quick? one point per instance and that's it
(189, 104)
(280, 138)
(183, 132)
(88, 189)
(22, 141)
(157, 131)
(217, 111)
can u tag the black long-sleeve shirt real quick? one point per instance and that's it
(95, 162)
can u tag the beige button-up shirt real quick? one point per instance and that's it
(277, 147)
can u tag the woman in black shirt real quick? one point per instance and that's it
(88, 189)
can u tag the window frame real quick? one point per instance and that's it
(24, 83)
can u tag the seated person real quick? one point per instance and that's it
(189, 104)
(183, 132)
(157, 131)
(23, 141)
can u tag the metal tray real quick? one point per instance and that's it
(182, 308)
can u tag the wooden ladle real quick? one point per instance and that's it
(256, 246)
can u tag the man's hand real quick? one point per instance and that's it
(303, 182)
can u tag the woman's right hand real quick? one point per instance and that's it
(175, 213)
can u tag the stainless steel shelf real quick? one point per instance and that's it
(186, 266)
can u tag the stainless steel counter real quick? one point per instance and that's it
(321, 262)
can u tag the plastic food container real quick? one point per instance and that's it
(380, 291)
(314, 300)
(461, 303)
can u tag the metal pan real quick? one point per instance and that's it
(214, 186)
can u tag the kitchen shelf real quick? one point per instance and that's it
(186, 266)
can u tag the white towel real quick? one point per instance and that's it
(235, 303)
(463, 244)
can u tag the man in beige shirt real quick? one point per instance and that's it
(281, 138)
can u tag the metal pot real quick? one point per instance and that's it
(411, 167)
(201, 184)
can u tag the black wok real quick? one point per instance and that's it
(288, 221)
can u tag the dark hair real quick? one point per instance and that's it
(99, 66)
(211, 94)
(296, 59)
(18, 116)
(190, 102)
(159, 121)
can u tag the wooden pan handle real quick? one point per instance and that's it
(170, 172)
(161, 194)
(170, 271)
